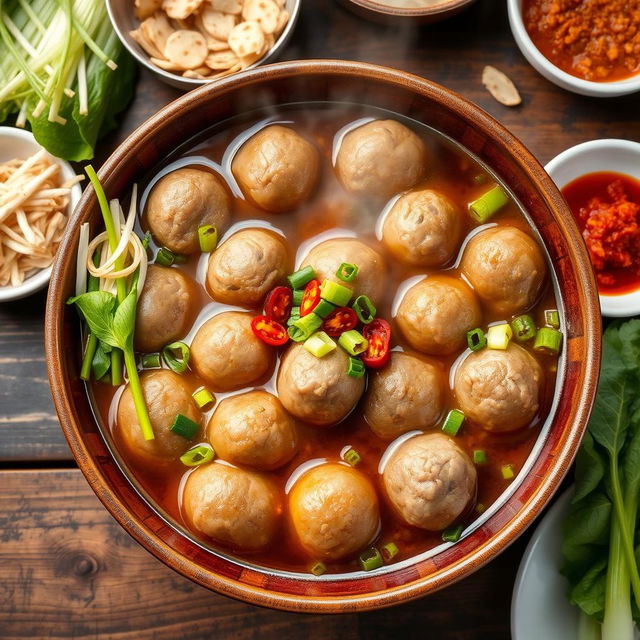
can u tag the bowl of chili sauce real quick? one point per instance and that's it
(600, 181)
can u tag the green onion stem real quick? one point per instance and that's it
(488, 203)
(138, 397)
(116, 367)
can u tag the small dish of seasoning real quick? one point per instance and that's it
(589, 47)
(600, 180)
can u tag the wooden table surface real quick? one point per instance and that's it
(67, 570)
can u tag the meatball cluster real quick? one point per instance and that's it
(267, 477)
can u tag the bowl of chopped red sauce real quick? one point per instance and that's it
(600, 180)
(590, 47)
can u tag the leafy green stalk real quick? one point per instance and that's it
(618, 622)
(588, 628)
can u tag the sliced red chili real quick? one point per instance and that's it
(338, 321)
(278, 304)
(310, 297)
(378, 334)
(269, 331)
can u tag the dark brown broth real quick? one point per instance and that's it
(332, 211)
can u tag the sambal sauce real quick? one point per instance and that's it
(606, 207)
(453, 180)
(596, 40)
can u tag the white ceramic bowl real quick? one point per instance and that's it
(18, 143)
(618, 156)
(124, 21)
(563, 79)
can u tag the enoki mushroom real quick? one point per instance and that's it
(33, 204)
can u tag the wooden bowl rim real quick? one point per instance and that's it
(558, 465)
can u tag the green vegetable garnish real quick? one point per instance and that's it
(600, 557)
(112, 320)
(64, 71)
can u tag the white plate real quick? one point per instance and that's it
(539, 606)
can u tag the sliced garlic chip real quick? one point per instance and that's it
(264, 12)
(187, 49)
(217, 24)
(246, 38)
(500, 86)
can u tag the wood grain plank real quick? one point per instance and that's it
(67, 570)
(451, 53)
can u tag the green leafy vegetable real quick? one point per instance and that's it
(599, 547)
(64, 72)
(101, 362)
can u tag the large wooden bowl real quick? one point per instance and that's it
(483, 136)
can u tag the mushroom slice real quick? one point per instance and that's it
(157, 29)
(146, 8)
(221, 60)
(187, 49)
(246, 38)
(500, 86)
(180, 9)
(264, 12)
(139, 36)
(217, 24)
(227, 6)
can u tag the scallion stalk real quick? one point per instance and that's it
(488, 204)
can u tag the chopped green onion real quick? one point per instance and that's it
(524, 328)
(351, 456)
(347, 271)
(165, 257)
(150, 360)
(356, 368)
(197, 456)
(207, 237)
(499, 336)
(295, 315)
(452, 534)
(507, 471)
(370, 559)
(176, 355)
(453, 422)
(353, 342)
(302, 277)
(319, 344)
(480, 456)
(185, 427)
(488, 204)
(297, 299)
(303, 327)
(389, 551)
(548, 340)
(203, 398)
(179, 259)
(335, 293)
(323, 308)
(364, 309)
(318, 568)
(552, 318)
(476, 339)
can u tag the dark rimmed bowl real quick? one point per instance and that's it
(479, 133)
(378, 11)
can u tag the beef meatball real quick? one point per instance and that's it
(165, 309)
(380, 158)
(277, 169)
(238, 508)
(247, 266)
(253, 429)
(404, 395)
(317, 390)
(430, 481)
(166, 394)
(182, 201)
(423, 229)
(334, 511)
(436, 313)
(227, 354)
(499, 390)
(326, 258)
(506, 268)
